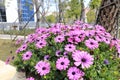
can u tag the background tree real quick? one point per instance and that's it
(51, 18)
(37, 5)
(82, 15)
(94, 5)
(91, 16)
(74, 9)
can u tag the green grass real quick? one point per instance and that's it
(14, 32)
(6, 47)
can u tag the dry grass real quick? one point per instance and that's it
(7, 49)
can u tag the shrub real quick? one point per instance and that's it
(74, 52)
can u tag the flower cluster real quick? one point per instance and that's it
(68, 52)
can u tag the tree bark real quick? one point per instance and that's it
(60, 12)
(37, 13)
(82, 15)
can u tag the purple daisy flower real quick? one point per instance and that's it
(113, 42)
(79, 38)
(118, 48)
(41, 44)
(82, 58)
(65, 53)
(46, 57)
(23, 47)
(100, 28)
(40, 30)
(74, 33)
(18, 41)
(106, 62)
(59, 39)
(106, 40)
(108, 35)
(91, 43)
(17, 51)
(58, 53)
(62, 63)
(7, 60)
(78, 22)
(90, 33)
(74, 73)
(71, 40)
(30, 78)
(99, 38)
(43, 68)
(31, 38)
(70, 47)
(27, 55)
(82, 33)
(74, 40)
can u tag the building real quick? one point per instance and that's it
(2, 12)
(26, 10)
(16, 11)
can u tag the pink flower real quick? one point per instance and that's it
(18, 51)
(90, 33)
(91, 43)
(108, 35)
(27, 55)
(65, 54)
(46, 57)
(62, 63)
(74, 33)
(41, 30)
(99, 38)
(55, 30)
(74, 73)
(41, 44)
(58, 53)
(31, 38)
(7, 60)
(42, 68)
(82, 58)
(41, 38)
(30, 78)
(107, 41)
(114, 42)
(118, 48)
(23, 47)
(59, 39)
(99, 28)
(78, 22)
(19, 41)
(85, 26)
(70, 47)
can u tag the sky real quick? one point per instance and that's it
(86, 2)
(53, 6)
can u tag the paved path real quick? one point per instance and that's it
(6, 36)
(8, 72)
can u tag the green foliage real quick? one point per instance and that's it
(51, 18)
(91, 16)
(101, 71)
(74, 9)
(94, 4)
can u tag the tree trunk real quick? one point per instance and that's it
(82, 15)
(37, 13)
(60, 12)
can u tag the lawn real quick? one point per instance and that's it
(7, 49)
(14, 32)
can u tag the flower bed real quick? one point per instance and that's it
(70, 52)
